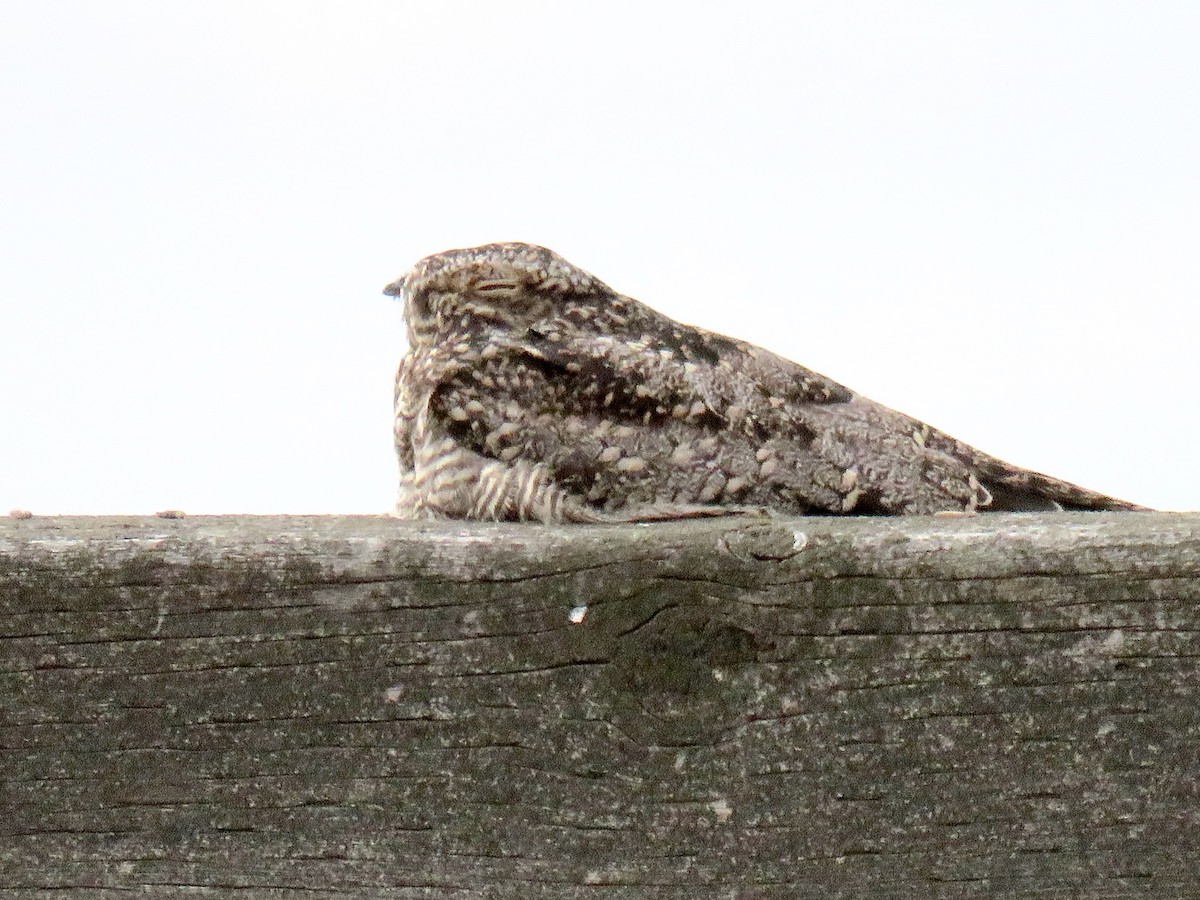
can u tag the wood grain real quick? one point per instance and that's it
(748, 708)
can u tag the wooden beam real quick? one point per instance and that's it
(360, 707)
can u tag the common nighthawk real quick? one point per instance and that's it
(533, 391)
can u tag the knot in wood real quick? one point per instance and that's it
(682, 677)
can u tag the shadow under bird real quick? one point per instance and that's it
(533, 391)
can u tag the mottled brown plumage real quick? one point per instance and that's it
(531, 390)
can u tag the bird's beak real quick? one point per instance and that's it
(396, 288)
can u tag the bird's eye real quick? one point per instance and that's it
(497, 288)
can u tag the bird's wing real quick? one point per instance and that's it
(674, 364)
(537, 395)
(621, 422)
(577, 433)
(626, 424)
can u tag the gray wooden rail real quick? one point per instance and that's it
(741, 708)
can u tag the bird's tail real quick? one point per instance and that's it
(1019, 490)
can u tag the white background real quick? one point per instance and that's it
(984, 214)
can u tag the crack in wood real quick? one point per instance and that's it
(1005, 706)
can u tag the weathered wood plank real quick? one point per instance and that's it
(358, 707)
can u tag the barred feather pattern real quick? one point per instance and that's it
(531, 391)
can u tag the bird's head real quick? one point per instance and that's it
(496, 286)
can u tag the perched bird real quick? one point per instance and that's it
(533, 391)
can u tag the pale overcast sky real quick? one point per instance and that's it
(985, 214)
